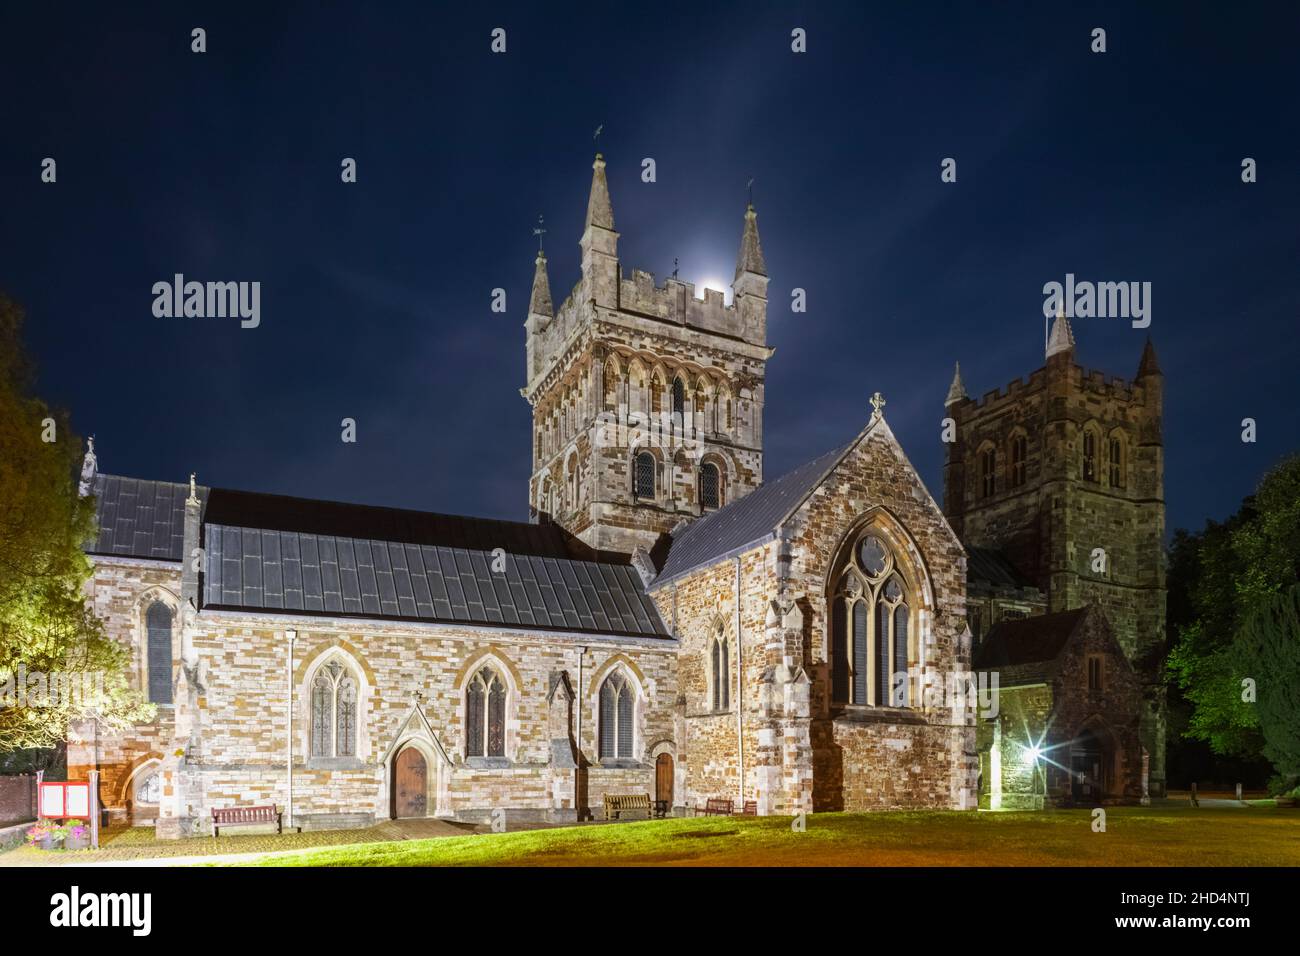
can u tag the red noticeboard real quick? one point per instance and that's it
(65, 801)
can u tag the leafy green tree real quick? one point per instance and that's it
(1270, 641)
(57, 665)
(1220, 579)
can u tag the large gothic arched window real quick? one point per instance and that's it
(617, 707)
(870, 629)
(334, 712)
(710, 486)
(485, 715)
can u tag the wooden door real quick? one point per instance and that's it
(664, 779)
(410, 784)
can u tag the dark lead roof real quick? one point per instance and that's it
(278, 553)
(991, 568)
(263, 569)
(140, 519)
(1027, 649)
(746, 520)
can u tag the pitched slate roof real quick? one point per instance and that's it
(1027, 650)
(991, 568)
(140, 519)
(266, 569)
(280, 553)
(747, 520)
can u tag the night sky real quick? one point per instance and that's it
(376, 296)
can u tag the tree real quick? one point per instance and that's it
(1270, 641)
(57, 665)
(1220, 581)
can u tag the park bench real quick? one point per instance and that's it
(717, 807)
(245, 816)
(622, 806)
(750, 809)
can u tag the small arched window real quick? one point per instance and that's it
(679, 398)
(988, 472)
(158, 625)
(1116, 462)
(656, 394)
(1019, 452)
(720, 670)
(485, 715)
(643, 475)
(617, 707)
(1089, 456)
(871, 629)
(710, 486)
(334, 712)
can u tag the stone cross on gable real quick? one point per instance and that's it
(877, 403)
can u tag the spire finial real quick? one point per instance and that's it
(89, 468)
(749, 186)
(877, 403)
(539, 231)
(595, 138)
(1061, 338)
(957, 390)
(194, 493)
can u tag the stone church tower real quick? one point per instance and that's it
(1062, 477)
(647, 402)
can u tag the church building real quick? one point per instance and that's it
(667, 622)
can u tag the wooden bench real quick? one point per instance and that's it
(716, 807)
(623, 806)
(245, 816)
(750, 809)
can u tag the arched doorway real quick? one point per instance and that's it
(410, 784)
(664, 782)
(1090, 767)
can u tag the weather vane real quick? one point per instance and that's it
(596, 136)
(750, 186)
(539, 230)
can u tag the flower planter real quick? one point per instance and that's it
(77, 842)
(47, 843)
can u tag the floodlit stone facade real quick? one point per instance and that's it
(668, 624)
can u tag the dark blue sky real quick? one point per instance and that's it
(375, 296)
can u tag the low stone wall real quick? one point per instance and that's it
(13, 836)
(17, 798)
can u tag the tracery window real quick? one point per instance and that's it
(1019, 452)
(679, 398)
(871, 629)
(1089, 456)
(1116, 462)
(988, 472)
(334, 712)
(158, 627)
(485, 715)
(617, 707)
(710, 486)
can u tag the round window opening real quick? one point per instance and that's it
(872, 555)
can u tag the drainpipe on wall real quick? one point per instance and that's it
(740, 688)
(288, 750)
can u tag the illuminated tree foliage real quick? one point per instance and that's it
(1271, 641)
(57, 666)
(1221, 581)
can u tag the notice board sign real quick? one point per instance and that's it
(65, 801)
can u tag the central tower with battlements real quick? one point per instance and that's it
(647, 402)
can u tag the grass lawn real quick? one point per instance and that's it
(1135, 836)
